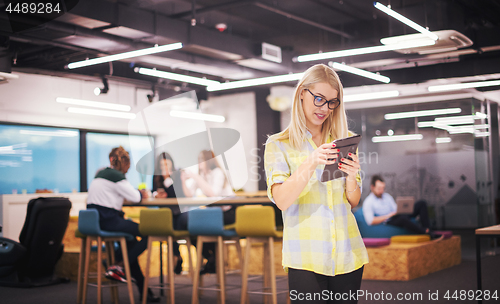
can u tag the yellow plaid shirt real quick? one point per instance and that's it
(320, 232)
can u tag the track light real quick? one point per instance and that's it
(359, 72)
(405, 20)
(98, 91)
(466, 85)
(121, 56)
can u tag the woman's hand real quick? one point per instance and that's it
(326, 154)
(350, 167)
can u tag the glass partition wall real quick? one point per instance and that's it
(438, 152)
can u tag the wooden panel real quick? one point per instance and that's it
(403, 262)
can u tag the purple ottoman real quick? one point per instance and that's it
(376, 242)
(447, 234)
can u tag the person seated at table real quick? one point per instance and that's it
(379, 207)
(212, 182)
(163, 187)
(106, 194)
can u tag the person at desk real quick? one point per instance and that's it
(163, 187)
(106, 194)
(211, 182)
(380, 208)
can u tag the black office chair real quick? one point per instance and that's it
(32, 261)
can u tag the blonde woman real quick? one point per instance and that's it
(322, 248)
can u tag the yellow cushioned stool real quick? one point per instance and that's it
(418, 238)
(157, 224)
(258, 225)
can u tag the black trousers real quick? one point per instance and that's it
(404, 221)
(112, 220)
(312, 288)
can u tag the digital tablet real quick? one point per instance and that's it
(345, 145)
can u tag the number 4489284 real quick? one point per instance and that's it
(33, 8)
(471, 295)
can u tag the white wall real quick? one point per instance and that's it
(31, 100)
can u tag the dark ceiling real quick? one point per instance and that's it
(92, 28)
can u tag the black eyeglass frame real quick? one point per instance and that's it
(332, 101)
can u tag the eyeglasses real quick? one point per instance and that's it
(320, 101)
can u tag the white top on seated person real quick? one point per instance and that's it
(211, 180)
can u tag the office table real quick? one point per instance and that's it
(491, 231)
(198, 201)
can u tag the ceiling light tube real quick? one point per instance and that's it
(359, 72)
(405, 20)
(94, 104)
(443, 140)
(254, 82)
(58, 133)
(369, 96)
(480, 115)
(459, 86)
(422, 113)
(121, 56)
(393, 138)
(177, 77)
(456, 120)
(198, 116)
(479, 127)
(481, 134)
(365, 50)
(104, 113)
(461, 129)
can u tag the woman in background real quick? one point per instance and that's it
(212, 182)
(163, 186)
(106, 194)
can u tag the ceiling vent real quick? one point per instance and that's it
(271, 52)
(449, 40)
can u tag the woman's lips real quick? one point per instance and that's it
(320, 116)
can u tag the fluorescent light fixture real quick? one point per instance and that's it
(467, 85)
(379, 139)
(365, 50)
(443, 140)
(8, 76)
(405, 20)
(94, 104)
(479, 127)
(59, 133)
(368, 96)
(456, 120)
(121, 56)
(481, 134)
(104, 113)
(198, 116)
(359, 72)
(405, 38)
(177, 77)
(422, 113)
(480, 115)
(254, 82)
(461, 129)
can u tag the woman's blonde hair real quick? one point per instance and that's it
(335, 124)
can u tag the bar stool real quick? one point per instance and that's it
(88, 225)
(157, 224)
(81, 261)
(257, 224)
(208, 225)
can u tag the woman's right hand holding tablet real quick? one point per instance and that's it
(326, 154)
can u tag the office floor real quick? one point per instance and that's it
(457, 278)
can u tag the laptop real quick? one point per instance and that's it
(405, 204)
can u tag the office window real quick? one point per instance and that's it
(38, 158)
(100, 144)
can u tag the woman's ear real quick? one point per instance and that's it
(302, 94)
